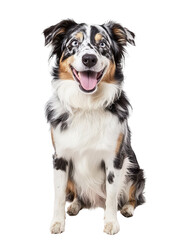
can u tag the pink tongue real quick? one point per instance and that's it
(88, 80)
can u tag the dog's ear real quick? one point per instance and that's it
(120, 34)
(55, 31)
(130, 36)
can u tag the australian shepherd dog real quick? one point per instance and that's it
(94, 163)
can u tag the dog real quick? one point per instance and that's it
(94, 163)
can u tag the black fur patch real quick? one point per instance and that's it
(118, 162)
(60, 164)
(61, 119)
(103, 167)
(110, 177)
(94, 31)
(118, 73)
(120, 107)
(70, 197)
(90, 45)
(140, 185)
(71, 169)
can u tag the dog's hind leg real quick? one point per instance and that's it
(128, 209)
(76, 204)
(70, 191)
(74, 207)
(135, 197)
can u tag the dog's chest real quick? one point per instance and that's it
(88, 132)
(90, 138)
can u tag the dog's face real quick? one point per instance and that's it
(87, 54)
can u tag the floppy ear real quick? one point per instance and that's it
(130, 36)
(57, 30)
(120, 34)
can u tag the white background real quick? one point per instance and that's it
(152, 82)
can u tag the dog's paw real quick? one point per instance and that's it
(127, 210)
(57, 227)
(74, 208)
(111, 227)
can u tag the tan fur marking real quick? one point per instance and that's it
(109, 76)
(119, 142)
(79, 36)
(71, 188)
(98, 37)
(132, 200)
(62, 30)
(53, 142)
(121, 36)
(64, 67)
(59, 32)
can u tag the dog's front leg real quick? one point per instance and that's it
(111, 225)
(60, 184)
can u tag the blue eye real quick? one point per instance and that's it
(102, 44)
(75, 43)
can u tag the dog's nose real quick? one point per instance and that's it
(89, 60)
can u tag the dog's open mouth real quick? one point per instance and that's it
(88, 80)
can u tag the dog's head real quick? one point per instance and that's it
(88, 54)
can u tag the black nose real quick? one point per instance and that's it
(89, 60)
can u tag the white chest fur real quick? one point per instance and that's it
(93, 131)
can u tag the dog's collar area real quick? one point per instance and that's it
(87, 80)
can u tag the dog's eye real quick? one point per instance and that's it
(75, 43)
(102, 44)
